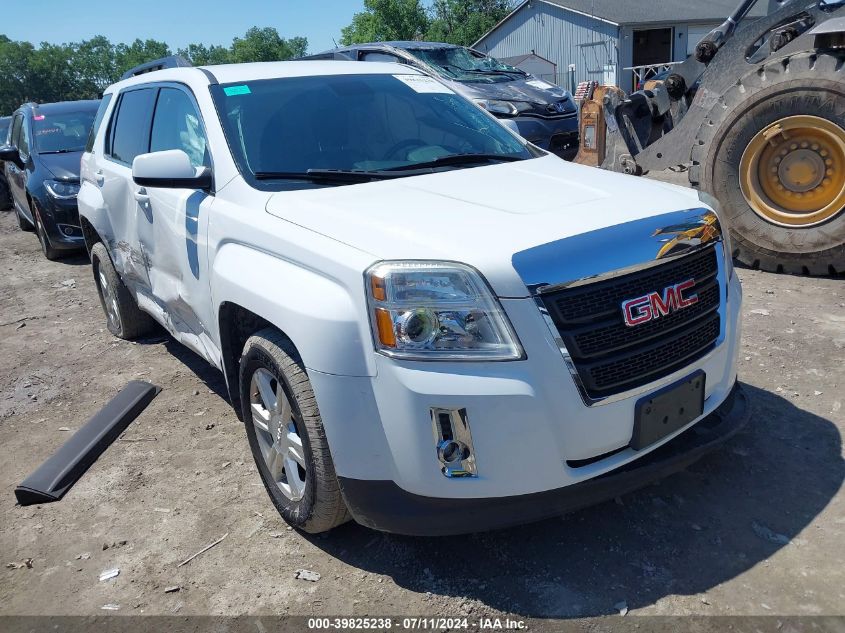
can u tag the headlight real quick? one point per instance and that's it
(714, 204)
(62, 190)
(510, 108)
(437, 311)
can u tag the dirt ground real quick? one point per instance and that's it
(757, 528)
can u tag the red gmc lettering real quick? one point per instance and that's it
(655, 304)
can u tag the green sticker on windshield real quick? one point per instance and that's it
(233, 91)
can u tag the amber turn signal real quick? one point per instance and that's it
(384, 323)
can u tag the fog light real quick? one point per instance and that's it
(453, 442)
(451, 452)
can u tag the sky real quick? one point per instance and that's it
(176, 22)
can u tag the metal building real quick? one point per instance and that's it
(610, 41)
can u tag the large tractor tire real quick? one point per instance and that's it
(772, 151)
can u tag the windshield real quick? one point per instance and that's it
(4, 129)
(461, 64)
(61, 132)
(364, 123)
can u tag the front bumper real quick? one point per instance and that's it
(382, 505)
(559, 136)
(61, 223)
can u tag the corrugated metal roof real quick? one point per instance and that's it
(639, 12)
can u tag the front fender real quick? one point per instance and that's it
(319, 314)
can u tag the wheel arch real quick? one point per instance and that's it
(253, 290)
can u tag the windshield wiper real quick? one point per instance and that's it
(491, 71)
(458, 159)
(60, 151)
(324, 175)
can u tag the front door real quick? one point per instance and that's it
(176, 243)
(15, 176)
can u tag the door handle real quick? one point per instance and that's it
(99, 177)
(141, 196)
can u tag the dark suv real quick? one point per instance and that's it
(41, 159)
(5, 199)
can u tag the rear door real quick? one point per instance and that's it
(176, 246)
(16, 176)
(128, 135)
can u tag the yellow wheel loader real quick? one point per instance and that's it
(757, 116)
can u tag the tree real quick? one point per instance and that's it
(138, 52)
(50, 75)
(266, 45)
(384, 20)
(202, 55)
(15, 58)
(65, 72)
(94, 64)
(463, 22)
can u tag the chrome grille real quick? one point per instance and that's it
(611, 357)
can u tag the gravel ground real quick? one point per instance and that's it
(757, 528)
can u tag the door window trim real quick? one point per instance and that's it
(157, 86)
(115, 115)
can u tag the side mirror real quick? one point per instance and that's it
(171, 169)
(10, 153)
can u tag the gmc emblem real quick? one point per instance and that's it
(656, 304)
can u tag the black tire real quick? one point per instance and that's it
(5, 194)
(126, 320)
(23, 223)
(49, 252)
(802, 84)
(321, 507)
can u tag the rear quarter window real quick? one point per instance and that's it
(130, 129)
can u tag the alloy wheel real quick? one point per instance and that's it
(278, 437)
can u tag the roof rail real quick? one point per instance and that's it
(174, 61)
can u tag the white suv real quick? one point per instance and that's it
(426, 324)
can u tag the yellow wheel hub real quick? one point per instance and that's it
(793, 172)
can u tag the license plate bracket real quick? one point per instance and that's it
(667, 410)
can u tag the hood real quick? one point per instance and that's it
(528, 89)
(480, 216)
(62, 166)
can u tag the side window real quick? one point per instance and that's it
(379, 57)
(98, 120)
(15, 135)
(130, 130)
(24, 142)
(176, 125)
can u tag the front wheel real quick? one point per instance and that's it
(286, 434)
(23, 223)
(46, 248)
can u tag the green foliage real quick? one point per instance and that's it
(455, 21)
(465, 21)
(82, 70)
(387, 20)
(265, 45)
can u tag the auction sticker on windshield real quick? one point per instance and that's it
(423, 84)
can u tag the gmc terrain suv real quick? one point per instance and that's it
(42, 169)
(426, 324)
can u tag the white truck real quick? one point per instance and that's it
(426, 323)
